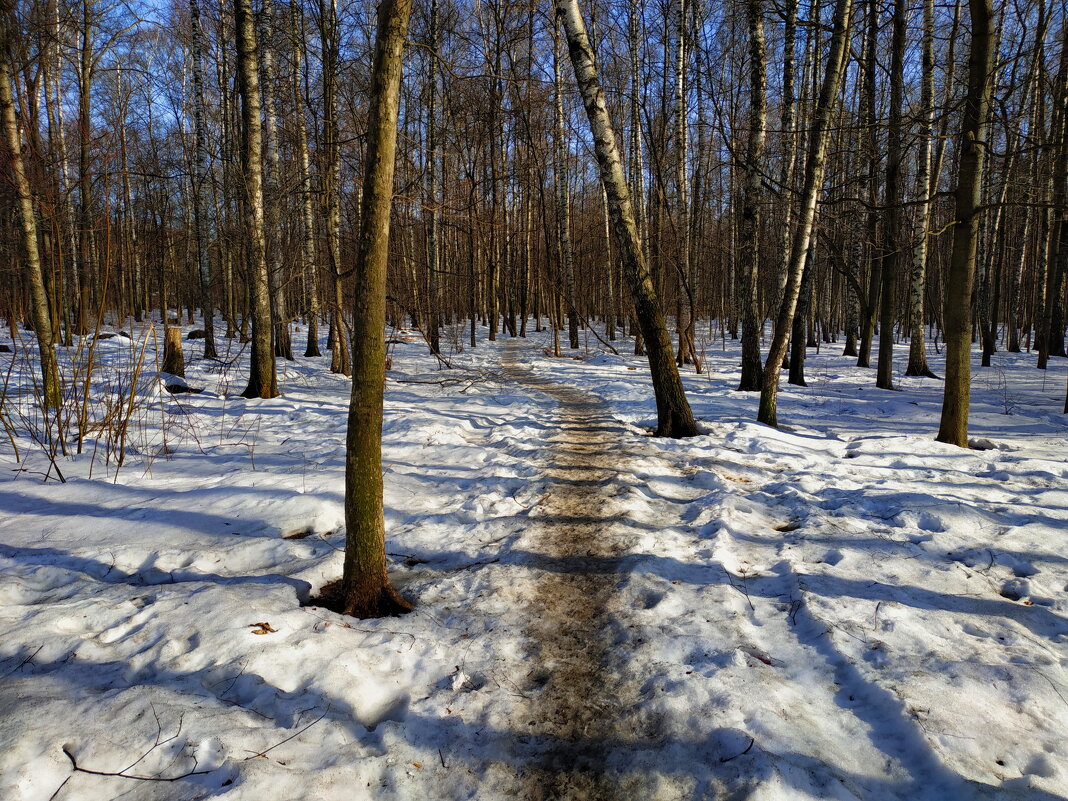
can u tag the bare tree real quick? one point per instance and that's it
(953, 427)
(748, 259)
(200, 172)
(42, 323)
(674, 418)
(815, 163)
(366, 591)
(262, 381)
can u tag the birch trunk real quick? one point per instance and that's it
(674, 418)
(282, 340)
(262, 382)
(331, 180)
(815, 163)
(687, 353)
(926, 183)
(307, 251)
(563, 205)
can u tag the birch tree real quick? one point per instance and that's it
(815, 163)
(674, 418)
(926, 183)
(262, 381)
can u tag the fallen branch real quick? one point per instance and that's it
(121, 774)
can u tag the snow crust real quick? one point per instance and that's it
(839, 609)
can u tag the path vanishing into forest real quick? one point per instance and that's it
(583, 719)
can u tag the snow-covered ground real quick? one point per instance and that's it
(842, 608)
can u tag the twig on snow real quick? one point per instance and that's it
(744, 590)
(124, 774)
(746, 751)
(265, 751)
(24, 661)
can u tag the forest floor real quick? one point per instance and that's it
(581, 721)
(841, 608)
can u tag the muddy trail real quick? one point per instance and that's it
(582, 727)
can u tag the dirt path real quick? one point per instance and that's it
(581, 709)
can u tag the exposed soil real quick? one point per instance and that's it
(581, 716)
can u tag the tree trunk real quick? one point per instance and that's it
(815, 163)
(563, 205)
(674, 418)
(331, 186)
(798, 329)
(262, 382)
(42, 323)
(307, 252)
(432, 255)
(173, 358)
(1050, 332)
(281, 337)
(790, 147)
(85, 80)
(366, 591)
(870, 120)
(960, 280)
(687, 353)
(926, 183)
(200, 173)
(748, 265)
(893, 250)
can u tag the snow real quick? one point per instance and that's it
(839, 609)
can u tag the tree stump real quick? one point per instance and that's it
(173, 360)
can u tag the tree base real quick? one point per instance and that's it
(385, 602)
(922, 370)
(677, 427)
